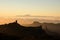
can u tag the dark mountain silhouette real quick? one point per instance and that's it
(15, 31)
(54, 28)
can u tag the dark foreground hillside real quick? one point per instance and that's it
(14, 31)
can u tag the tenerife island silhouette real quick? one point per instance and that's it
(15, 31)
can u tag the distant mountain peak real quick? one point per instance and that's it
(35, 22)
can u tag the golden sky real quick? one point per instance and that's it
(31, 7)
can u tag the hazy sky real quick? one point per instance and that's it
(32, 7)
